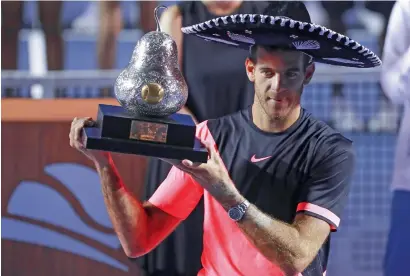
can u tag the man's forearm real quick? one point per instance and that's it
(127, 214)
(277, 241)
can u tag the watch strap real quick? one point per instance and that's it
(244, 206)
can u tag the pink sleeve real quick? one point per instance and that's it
(179, 193)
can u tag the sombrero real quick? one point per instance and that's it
(286, 24)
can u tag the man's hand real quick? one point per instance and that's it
(212, 176)
(98, 157)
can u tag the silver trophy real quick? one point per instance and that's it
(151, 90)
(152, 84)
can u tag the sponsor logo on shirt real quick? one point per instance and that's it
(254, 159)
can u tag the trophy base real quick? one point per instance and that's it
(172, 137)
(93, 140)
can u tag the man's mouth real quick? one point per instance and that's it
(275, 99)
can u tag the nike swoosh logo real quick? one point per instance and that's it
(254, 159)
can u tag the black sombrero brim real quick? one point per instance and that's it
(323, 44)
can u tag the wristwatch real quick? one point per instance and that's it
(237, 212)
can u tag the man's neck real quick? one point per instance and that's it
(265, 123)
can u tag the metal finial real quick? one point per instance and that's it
(156, 17)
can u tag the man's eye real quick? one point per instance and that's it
(267, 74)
(292, 74)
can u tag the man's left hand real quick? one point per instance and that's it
(212, 176)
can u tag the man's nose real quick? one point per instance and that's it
(277, 82)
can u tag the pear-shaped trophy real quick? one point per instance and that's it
(150, 90)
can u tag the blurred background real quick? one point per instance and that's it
(59, 61)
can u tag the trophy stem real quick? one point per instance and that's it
(156, 17)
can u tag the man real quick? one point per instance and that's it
(395, 80)
(180, 253)
(276, 180)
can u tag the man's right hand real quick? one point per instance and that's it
(99, 158)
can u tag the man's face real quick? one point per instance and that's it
(279, 77)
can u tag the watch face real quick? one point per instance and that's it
(235, 213)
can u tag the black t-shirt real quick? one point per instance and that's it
(306, 168)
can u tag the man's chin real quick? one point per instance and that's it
(277, 112)
(277, 116)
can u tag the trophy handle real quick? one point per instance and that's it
(156, 17)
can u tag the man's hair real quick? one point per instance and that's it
(253, 54)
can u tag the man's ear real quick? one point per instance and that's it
(250, 69)
(310, 70)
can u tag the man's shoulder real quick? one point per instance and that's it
(227, 122)
(326, 137)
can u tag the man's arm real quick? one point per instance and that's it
(291, 246)
(140, 226)
(395, 77)
(294, 246)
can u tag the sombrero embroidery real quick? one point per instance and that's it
(323, 44)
